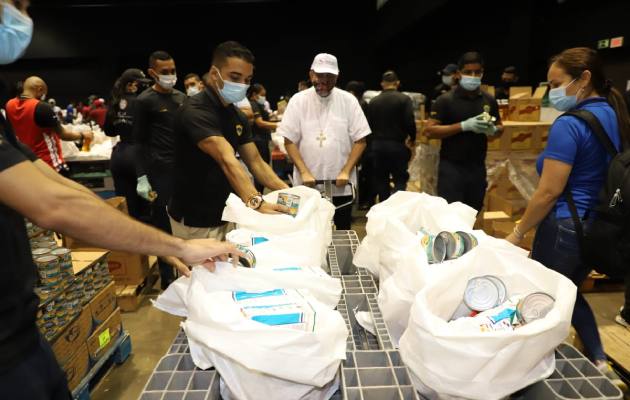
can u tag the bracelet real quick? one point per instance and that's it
(518, 233)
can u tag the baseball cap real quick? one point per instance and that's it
(450, 69)
(325, 64)
(134, 74)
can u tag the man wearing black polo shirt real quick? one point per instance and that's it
(154, 111)
(458, 119)
(210, 129)
(390, 115)
(30, 188)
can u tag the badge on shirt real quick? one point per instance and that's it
(239, 129)
(123, 104)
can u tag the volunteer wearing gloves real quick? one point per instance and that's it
(154, 138)
(574, 161)
(119, 122)
(458, 119)
(28, 368)
(325, 134)
(210, 129)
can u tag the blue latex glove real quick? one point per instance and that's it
(143, 188)
(476, 124)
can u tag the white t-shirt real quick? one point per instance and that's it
(324, 129)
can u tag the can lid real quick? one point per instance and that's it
(40, 251)
(481, 294)
(60, 251)
(46, 259)
(535, 306)
(501, 286)
(451, 244)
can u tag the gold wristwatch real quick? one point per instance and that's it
(255, 201)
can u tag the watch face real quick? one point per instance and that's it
(254, 202)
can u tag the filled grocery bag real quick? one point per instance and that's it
(270, 333)
(310, 213)
(487, 326)
(402, 240)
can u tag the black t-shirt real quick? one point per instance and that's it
(18, 302)
(153, 128)
(259, 111)
(456, 106)
(45, 116)
(440, 90)
(201, 187)
(390, 116)
(119, 119)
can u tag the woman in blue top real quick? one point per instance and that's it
(574, 160)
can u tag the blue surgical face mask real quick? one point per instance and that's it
(261, 100)
(16, 31)
(232, 92)
(560, 100)
(470, 83)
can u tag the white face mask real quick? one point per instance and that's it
(43, 98)
(193, 90)
(167, 81)
(261, 100)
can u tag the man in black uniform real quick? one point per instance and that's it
(449, 81)
(155, 140)
(119, 122)
(390, 115)
(261, 127)
(210, 129)
(509, 78)
(458, 119)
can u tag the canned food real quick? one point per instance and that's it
(469, 240)
(40, 251)
(434, 247)
(454, 246)
(503, 295)
(481, 294)
(461, 311)
(249, 260)
(290, 200)
(534, 306)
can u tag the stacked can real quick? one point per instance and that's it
(65, 262)
(49, 321)
(292, 201)
(434, 246)
(79, 290)
(73, 303)
(61, 312)
(88, 286)
(481, 294)
(49, 271)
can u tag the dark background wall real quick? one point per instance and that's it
(81, 46)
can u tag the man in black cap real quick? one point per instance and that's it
(449, 80)
(463, 119)
(509, 78)
(390, 115)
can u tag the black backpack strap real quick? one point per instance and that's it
(577, 222)
(596, 127)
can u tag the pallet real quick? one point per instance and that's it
(118, 354)
(596, 282)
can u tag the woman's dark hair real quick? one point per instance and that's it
(579, 59)
(256, 88)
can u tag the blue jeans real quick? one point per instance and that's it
(556, 247)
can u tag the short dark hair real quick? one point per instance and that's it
(158, 55)
(390, 76)
(356, 87)
(304, 83)
(192, 75)
(510, 70)
(231, 49)
(471, 57)
(255, 89)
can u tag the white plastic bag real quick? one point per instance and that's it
(392, 250)
(281, 250)
(256, 360)
(445, 361)
(314, 214)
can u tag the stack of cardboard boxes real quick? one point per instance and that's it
(524, 137)
(128, 269)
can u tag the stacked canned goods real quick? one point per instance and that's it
(65, 263)
(101, 275)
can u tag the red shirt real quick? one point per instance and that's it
(34, 122)
(98, 115)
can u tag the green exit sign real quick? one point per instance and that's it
(603, 44)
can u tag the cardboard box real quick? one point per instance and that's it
(128, 298)
(523, 136)
(513, 208)
(128, 268)
(75, 334)
(104, 336)
(103, 304)
(77, 367)
(489, 217)
(506, 189)
(517, 92)
(524, 107)
(494, 143)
